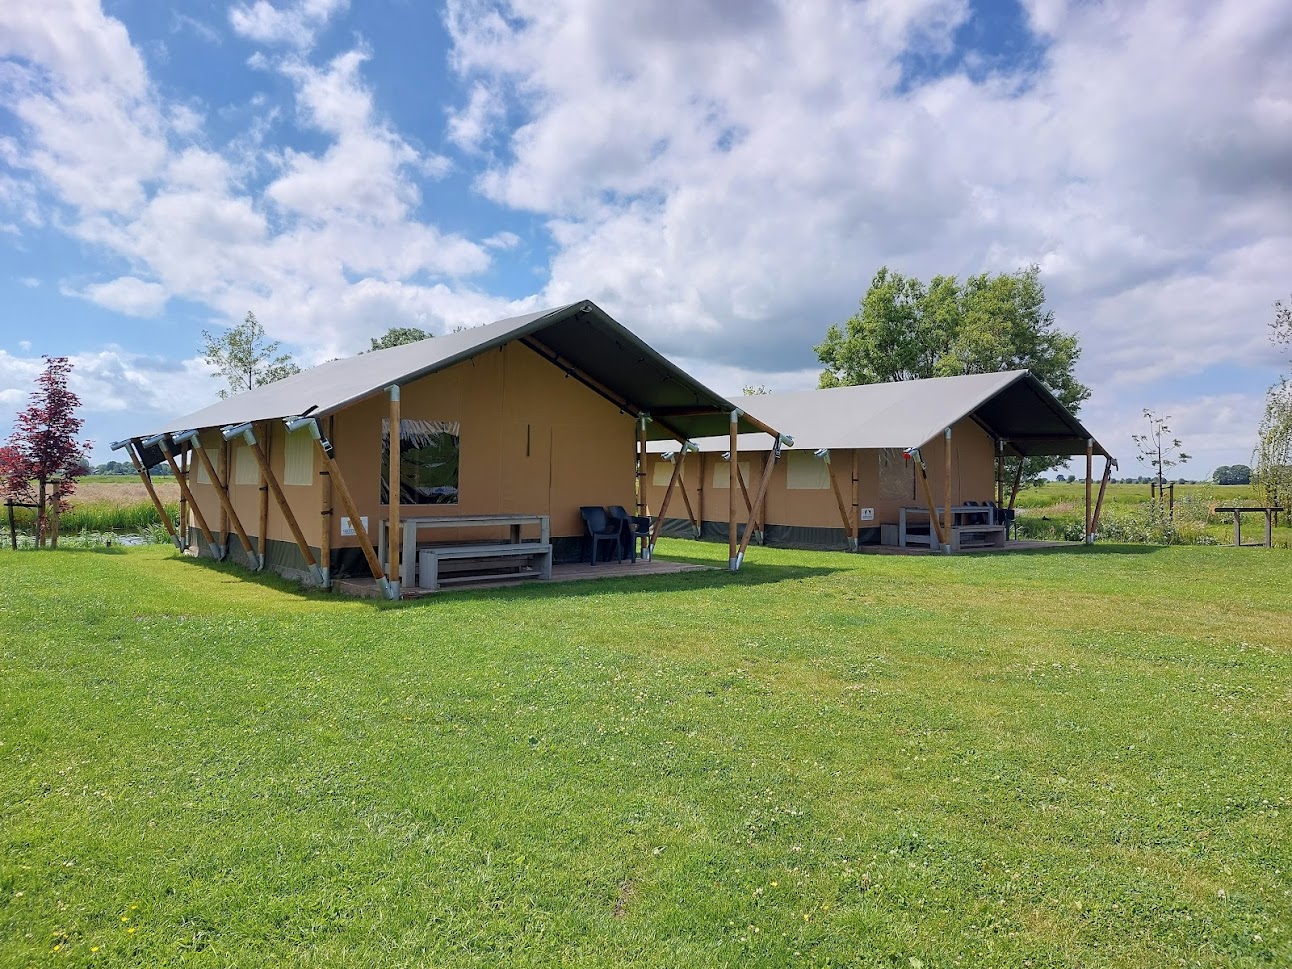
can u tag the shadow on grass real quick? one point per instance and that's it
(67, 550)
(712, 577)
(1100, 548)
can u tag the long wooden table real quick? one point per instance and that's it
(411, 526)
(1238, 512)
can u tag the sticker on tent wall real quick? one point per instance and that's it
(348, 529)
(868, 514)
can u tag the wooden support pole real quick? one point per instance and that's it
(686, 499)
(1090, 473)
(221, 482)
(325, 519)
(758, 500)
(267, 475)
(53, 522)
(1099, 505)
(641, 465)
(749, 505)
(744, 493)
(947, 517)
(263, 537)
(226, 504)
(147, 480)
(663, 508)
(183, 503)
(701, 488)
(848, 531)
(395, 540)
(182, 480)
(856, 487)
(352, 511)
(928, 500)
(1000, 472)
(1018, 480)
(733, 476)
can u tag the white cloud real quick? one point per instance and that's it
(295, 24)
(502, 240)
(126, 294)
(121, 393)
(727, 179)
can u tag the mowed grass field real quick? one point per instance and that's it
(1076, 757)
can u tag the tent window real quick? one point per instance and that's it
(246, 470)
(804, 471)
(896, 475)
(298, 459)
(428, 462)
(196, 465)
(721, 474)
(661, 472)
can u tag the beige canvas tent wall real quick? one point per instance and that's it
(857, 454)
(537, 415)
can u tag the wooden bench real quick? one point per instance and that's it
(977, 536)
(485, 561)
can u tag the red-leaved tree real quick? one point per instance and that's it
(42, 458)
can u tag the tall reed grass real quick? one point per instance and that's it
(101, 516)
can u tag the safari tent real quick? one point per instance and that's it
(535, 416)
(862, 454)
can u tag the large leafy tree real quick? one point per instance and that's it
(906, 329)
(397, 336)
(42, 459)
(244, 358)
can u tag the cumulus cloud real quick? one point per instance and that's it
(127, 295)
(728, 178)
(724, 177)
(294, 24)
(320, 243)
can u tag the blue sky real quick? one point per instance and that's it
(723, 176)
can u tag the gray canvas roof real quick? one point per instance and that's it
(579, 335)
(1013, 405)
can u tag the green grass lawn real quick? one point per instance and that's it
(1065, 758)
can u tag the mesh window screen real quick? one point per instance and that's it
(896, 475)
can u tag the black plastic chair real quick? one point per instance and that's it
(1003, 516)
(977, 519)
(601, 529)
(634, 528)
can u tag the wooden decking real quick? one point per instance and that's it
(561, 572)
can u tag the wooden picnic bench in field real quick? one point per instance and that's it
(1240, 510)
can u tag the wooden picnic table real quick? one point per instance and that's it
(411, 526)
(964, 519)
(1240, 510)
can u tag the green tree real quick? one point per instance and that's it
(244, 358)
(754, 390)
(1273, 455)
(906, 330)
(1157, 448)
(1232, 474)
(397, 336)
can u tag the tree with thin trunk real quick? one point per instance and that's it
(42, 459)
(244, 358)
(1157, 448)
(1272, 458)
